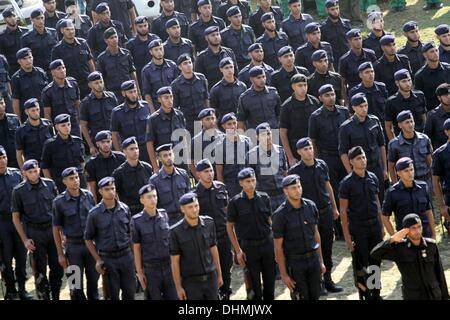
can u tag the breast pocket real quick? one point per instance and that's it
(164, 194)
(30, 205)
(70, 216)
(124, 67)
(221, 199)
(422, 203)
(148, 237)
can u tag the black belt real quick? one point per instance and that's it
(201, 278)
(115, 254)
(156, 264)
(44, 225)
(368, 222)
(253, 242)
(302, 256)
(423, 178)
(75, 240)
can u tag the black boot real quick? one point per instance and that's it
(323, 291)
(11, 294)
(23, 294)
(330, 285)
(55, 295)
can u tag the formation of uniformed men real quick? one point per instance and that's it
(158, 154)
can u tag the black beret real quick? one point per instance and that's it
(140, 19)
(164, 147)
(267, 16)
(427, 46)
(387, 39)
(303, 142)
(285, 50)
(146, 189)
(30, 164)
(65, 23)
(331, 3)
(358, 99)
(404, 115)
(354, 152)
(154, 43)
(234, 10)
(184, 57)
(172, 22)
(203, 2)
(293, 1)
(403, 163)
(68, 3)
(410, 220)
(255, 46)
(365, 65)
(374, 15)
(129, 141)
(290, 180)
(409, 26)
(103, 135)
(56, 64)
(208, 112)
(106, 182)
(442, 29)
(447, 124)
(325, 89)
(36, 13)
(443, 89)
(30, 103)
(318, 55)
(246, 173)
(69, 172)
(62, 118)
(164, 90)
(22, 53)
(225, 61)
(109, 33)
(8, 12)
(128, 85)
(298, 77)
(210, 30)
(256, 71)
(101, 7)
(188, 197)
(262, 127)
(2, 151)
(353, 33)
(401, 74)
(96, 75)
(312, 27)
(227, 117)
(203, 165)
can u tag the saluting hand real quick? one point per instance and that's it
(29, 244)
(400, 235)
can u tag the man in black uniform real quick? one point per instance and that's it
(168, 12)
(389, 63)
(70, 211)
(150, 235)
(265, 6)
(40, 40)
(271, 40)
(82, 22)
(170, 182)
(11, 244)
(443, 34)
(52, 16)
(95, 37)
(205, 20)
(9, 123)
(372, 41)
(76, 55)
(32, 134)
(361, 219)
(364, 130)
(304, 53)
(194, 254)
(10, 38)
(207, 62)
(244, 8)
(406, 98)
(176, 45)
(334, 30)
(431, 75)
(294, 116)
(317, 188)
(123, 11)
(406, 196)
(249, 228)
(256, 53)
(131, 175)
(95, 110)
(213, 200)
(436, 117)
(237, 36)
(32, 216)
(294, 25)
(417, 259)
(108, 224)
(413, 47)
(281, 78)
(28, 82)
(61, 151)
(297, 242)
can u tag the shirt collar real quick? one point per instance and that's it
(186, 226)
(40, 184)
(165, 175)
(148, 218)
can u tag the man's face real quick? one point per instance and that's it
(390, 49)
(174, 31)
(112, 41)
(191, 210)
(157, 52)
(328, 99)
(142, 28)
(287, 60)
(205, 11)
(259, 81)
(314, 37)
(64, 128)
(236, 20)
(227, 70)
(361, 110)
(265, 137)
(230, 126)
(207, 175)
(415, 232)
(407, 175)
(404, 84)
(257, 55)
(39, 21)
(132, 152)
(407, 125)
(149, 199)
(186, 66)
(105, 16)
(444, 99)
(355, 43)
(432, 55)
(294, 192)
(209, 122)
(97, 85)
(300, 88)
(72, 182)
(3, 162)
(214, 39)
(306, 153)
(2, 106)
(270, 25)
(131, 95)
(265, 3)
(166, 157)
(68, 33)
(32, 175)
(378, 25)
(359, 162)
(26, 62)
(168, 5)
(321, 65)
(334, 12)
(248, 184)
(50, 6)
(445, 39)
(413, 35)
(367, 75)
(72, 9)
(11, 20)
(33, 113)
(166, 100)
(108, 193)
(59, 73)
(105, 145)
(295, 8)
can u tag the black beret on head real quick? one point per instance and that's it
(410, 220)
(354, 152)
